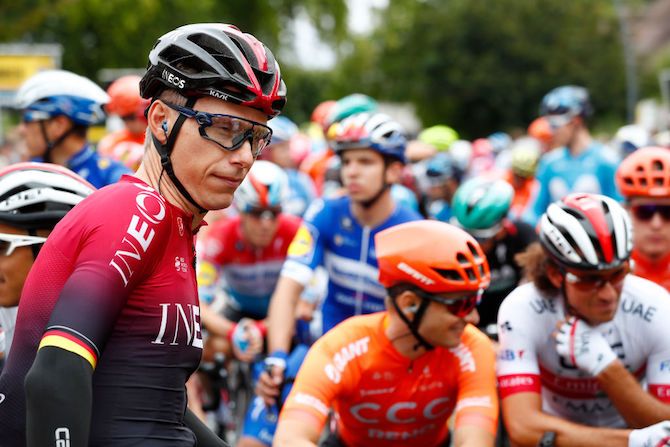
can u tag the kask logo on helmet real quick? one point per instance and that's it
(173, 79)
(218, 94)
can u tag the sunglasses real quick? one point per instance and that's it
(460, 307)
(9, 242)
(597, 282)
(647, 212)
(558, 121)
(228, 131)
(264, 213)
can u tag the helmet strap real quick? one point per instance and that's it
(367, 204)
(51, 145)
(414, 323)
(165, 150)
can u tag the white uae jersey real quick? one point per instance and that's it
(528, 362)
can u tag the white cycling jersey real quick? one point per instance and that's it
(7, 323)
(528, 362)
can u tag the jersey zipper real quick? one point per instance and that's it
(363, 259)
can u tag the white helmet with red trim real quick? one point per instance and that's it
(587, 232)
(265, 186)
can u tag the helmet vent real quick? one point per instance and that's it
(657, 165)
(449, 274)
(643, 182)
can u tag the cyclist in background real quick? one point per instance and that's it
(579, 164)
(109, 316)
(525, 155)
(578, 341)
(481, 206)
(644, 180)
(399, 375)
(57, 109)
(34, 197)
(127, 144)
(301, 191)
(339, 234)
(440, 179)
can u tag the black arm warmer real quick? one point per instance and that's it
(205, 436)
(58, 399)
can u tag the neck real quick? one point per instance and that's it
(402, 339)
(375, 214)
(580, 141)
(62, 153)
(150, 171)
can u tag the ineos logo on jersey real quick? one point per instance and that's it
(151, 209)
(62, 435)
(190, 320)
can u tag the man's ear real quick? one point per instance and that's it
(158, 119)
(394, 172)
(555, 276)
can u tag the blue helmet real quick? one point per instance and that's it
(441, 167)
(567, 100)
(282, 129)
(58, 92)
(377, 131)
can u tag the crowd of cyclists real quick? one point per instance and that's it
(212, 272)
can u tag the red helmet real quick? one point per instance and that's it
(214, 59)
(125, 99)
(645, 173)
(435, 256)
(587, 232)
(321, 112)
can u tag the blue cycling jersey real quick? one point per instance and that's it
(331, 236)
(97, 170)
(301, 192)
(560, 173)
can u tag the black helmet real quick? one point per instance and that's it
(214, 59)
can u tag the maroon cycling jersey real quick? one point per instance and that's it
(115, 284)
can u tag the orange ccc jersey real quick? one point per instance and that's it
(381, 398)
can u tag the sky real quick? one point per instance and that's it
(312, 53)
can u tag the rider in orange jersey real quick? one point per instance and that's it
(644, 180)
(399, 375)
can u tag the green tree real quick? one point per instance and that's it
(482, 65)
(99, 34)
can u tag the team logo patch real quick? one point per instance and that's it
(180, 226)
(302, 244)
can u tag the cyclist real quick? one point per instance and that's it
(440, 177)
(580, 163)
(301, 190)
(578, 341)
(480, 207)
(242, 256)
(111, 323)
(399, 375)
(338, 234)
(57, 109)
(126, 144)
(644, 180)
(525, 155)
(33, 198)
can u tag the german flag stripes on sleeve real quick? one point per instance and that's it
(71, 340)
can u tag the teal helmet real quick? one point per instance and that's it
(350, 105)
(480, 204)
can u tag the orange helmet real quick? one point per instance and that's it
(541, 130)
(435, 256)
(645, 173)
(321, 112)
(125, 99)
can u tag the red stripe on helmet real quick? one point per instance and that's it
(592, 209)
(262, 191)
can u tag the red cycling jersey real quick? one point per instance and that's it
(657, 271)
(381, 398)
(114, 284)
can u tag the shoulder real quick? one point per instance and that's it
(644, 299)
(289, 222)
(527, 303)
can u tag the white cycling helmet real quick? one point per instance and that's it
(58, 92)
(587, 232)
(265, 186)
(36, 196)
